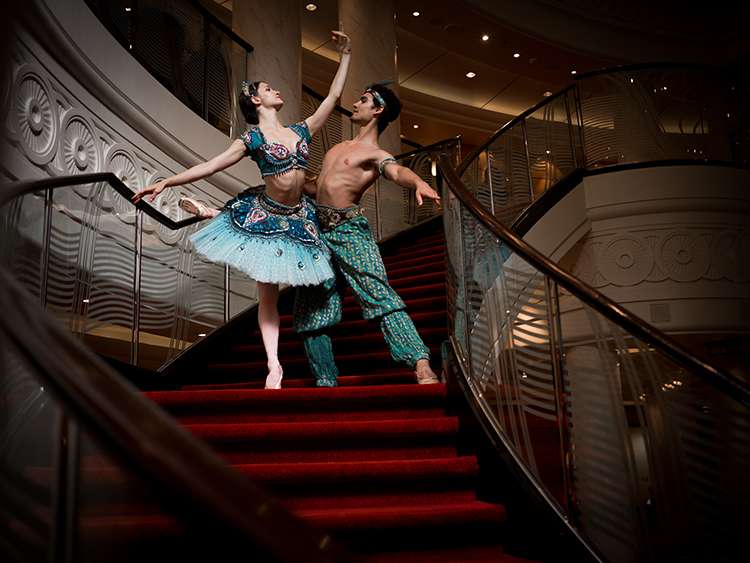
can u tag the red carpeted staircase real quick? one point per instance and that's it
(378, 460)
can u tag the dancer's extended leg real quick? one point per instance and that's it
(268, 320)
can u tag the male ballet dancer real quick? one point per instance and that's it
(348, 169)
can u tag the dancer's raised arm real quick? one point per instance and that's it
(316, 121)
(231, 156)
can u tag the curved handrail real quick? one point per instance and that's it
(430, 148)
(576, 79)
(157, 446)
(483, 147)
(16, 189)
(604, 305)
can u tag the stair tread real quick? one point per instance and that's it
(442, 426)
(231, 397)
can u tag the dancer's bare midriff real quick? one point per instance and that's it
(286, 188)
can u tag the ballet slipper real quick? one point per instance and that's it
(273, 380)
(195, 207)
(424, 374)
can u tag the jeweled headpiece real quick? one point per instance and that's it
(377, 97)
(248, 89)
(379, 101)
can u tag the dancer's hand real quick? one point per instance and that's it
(151, 191)
(424, 190)
(343, 43)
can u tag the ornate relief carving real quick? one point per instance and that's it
(35, 115)
(678, 254)
(81, 153)
(626, 261)
(123, 165)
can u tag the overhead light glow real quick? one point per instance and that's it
(547, 94)
(471, 74)
(485, 37)
(311, 7)
(516, 55)
(573, 72)
(415, 126)
(415, 14)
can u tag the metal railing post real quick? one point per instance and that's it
(528, 160)
(137, 274)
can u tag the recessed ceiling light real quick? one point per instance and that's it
(311, 7)
(202, 334)
(573, 72)
(516, 55)
(415, 126)
(415, 14)
(86, 300)
(471, 74)
(547, 94)
(485, 37)
(128, 9)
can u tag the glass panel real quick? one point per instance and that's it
(221, 84)
(549, 144)
(647, 459)
(658, 114)
(195, 60)
(507, 190)
(22, 236)
(61, 491)
(28, 418)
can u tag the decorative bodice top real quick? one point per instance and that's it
(275, 158)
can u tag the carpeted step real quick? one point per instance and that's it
(415, 260)
(397, 376)
(111, 490)
(454, 515)
(299, 364)
(362, 342)
(298, 442)
(303, 404)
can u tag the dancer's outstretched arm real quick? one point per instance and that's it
(404, 177)
(316, 121)
(231, 156)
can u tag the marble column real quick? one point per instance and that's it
(274, 31)
(372, 28)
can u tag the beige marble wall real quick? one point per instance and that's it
(273, 29)
(372, 28)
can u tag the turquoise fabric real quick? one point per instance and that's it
(356, 255)
(267, 240)
(275, 158)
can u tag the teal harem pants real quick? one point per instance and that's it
(356, 255)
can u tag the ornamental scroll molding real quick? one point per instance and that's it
(56, 133)
(681, 254)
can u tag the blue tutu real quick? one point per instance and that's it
(267, 240)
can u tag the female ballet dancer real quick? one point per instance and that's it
(270, 233)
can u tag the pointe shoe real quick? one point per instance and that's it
(424, 373)
(273, 380)
(195, 207)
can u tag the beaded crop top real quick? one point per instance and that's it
(275, 158)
